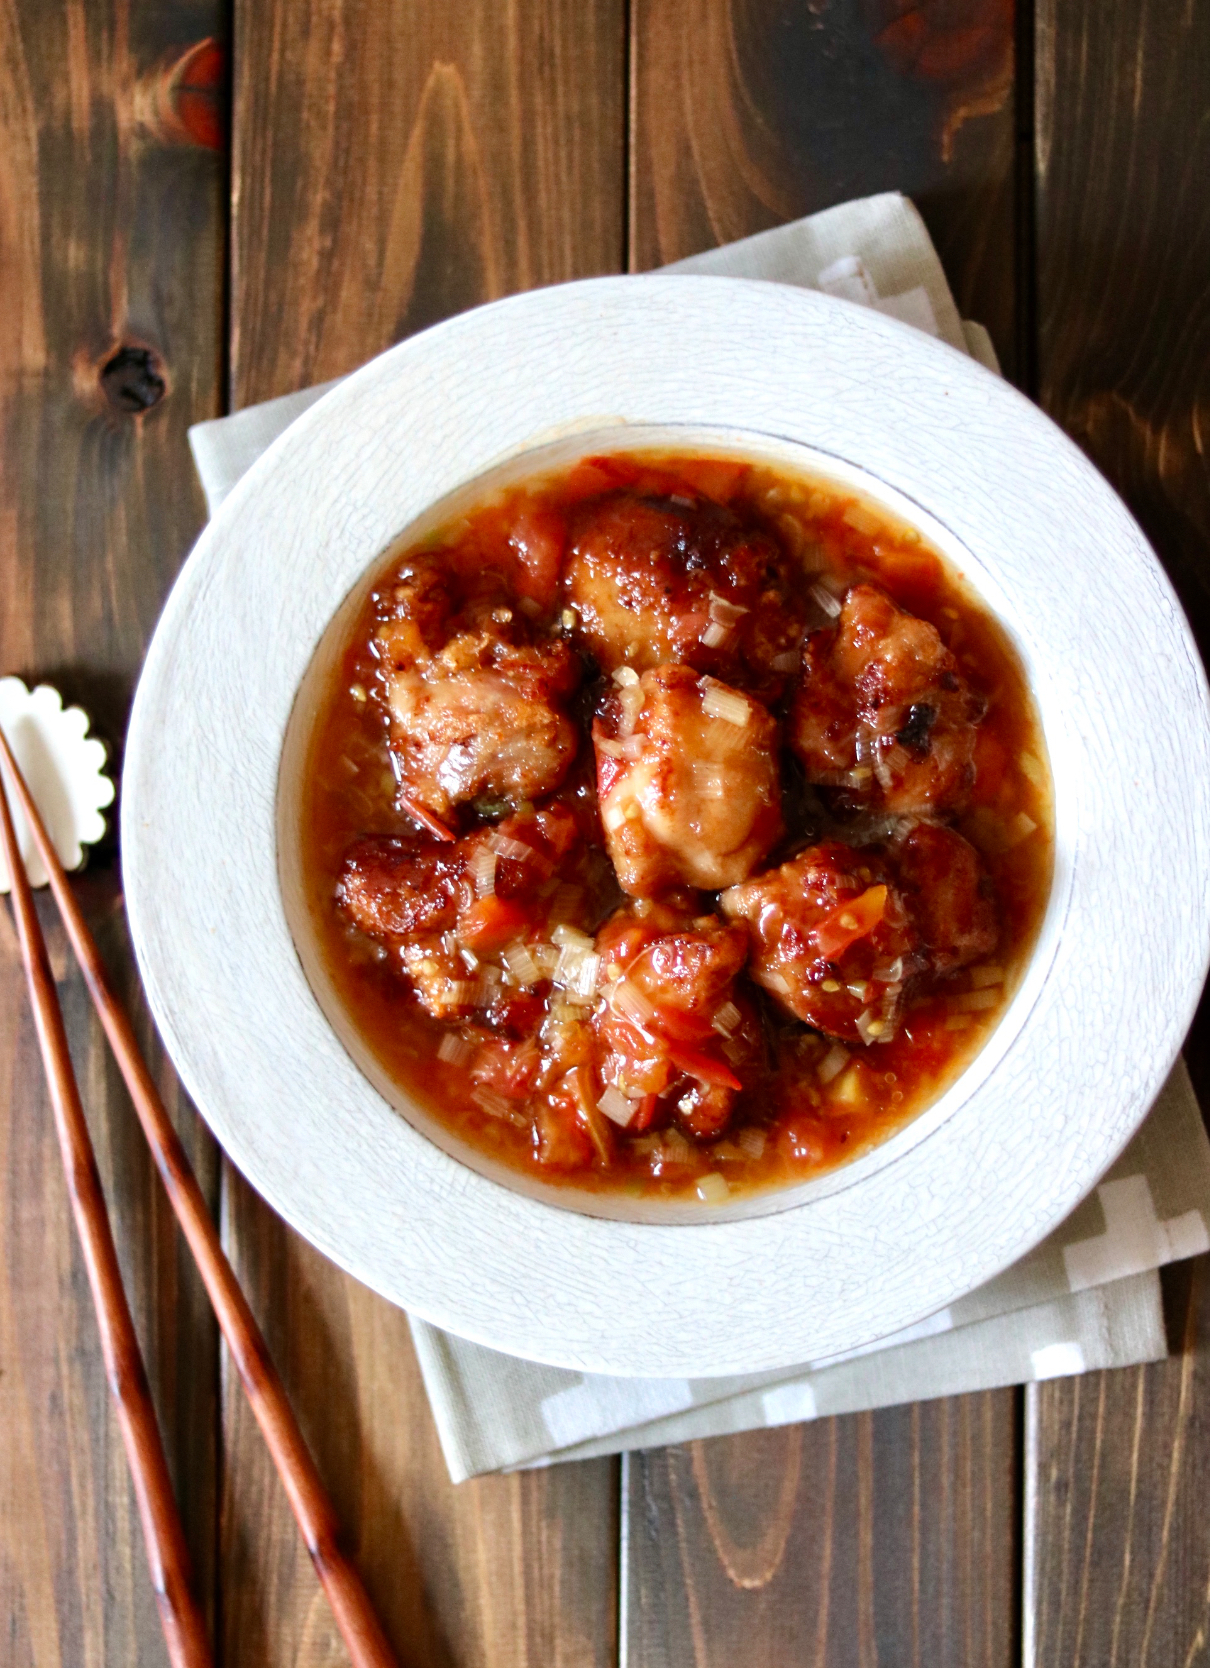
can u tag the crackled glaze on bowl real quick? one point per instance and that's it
(989, 1170)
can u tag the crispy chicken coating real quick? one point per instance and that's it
(395, 888)
(445, 911)
(830, 938)
(882, 711)
(673, 1033)
(948, 895)
(476, 706)
(687, 780)
(664, 580)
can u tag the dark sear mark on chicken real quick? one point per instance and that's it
(920, 721)
(676, 825)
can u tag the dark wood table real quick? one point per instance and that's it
(185, 229)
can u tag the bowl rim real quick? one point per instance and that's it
(301, 1121)
(561, 453)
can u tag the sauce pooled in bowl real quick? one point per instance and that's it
(675, 825)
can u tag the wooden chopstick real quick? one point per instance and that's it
(167, 1556)
(351, 1607)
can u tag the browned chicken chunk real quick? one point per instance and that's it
(687, 780)
(672, 1031)
(476, 707)
(830, 939)
(948, 895)
(882, 710)
(660, 580)
(447, 912)
(392, 888)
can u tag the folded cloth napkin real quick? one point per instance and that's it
(1087, 1297)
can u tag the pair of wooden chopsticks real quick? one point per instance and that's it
(167, 1557)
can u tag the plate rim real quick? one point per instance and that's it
(581, 307)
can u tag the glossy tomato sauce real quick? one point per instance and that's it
(747, 1095)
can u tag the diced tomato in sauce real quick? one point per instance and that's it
(464, 892)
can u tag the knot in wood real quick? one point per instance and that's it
(133, 379)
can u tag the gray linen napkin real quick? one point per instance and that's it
(1087, 1297)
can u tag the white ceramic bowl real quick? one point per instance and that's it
(211, 778)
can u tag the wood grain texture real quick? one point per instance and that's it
(1122, 259)
(1117, 1505)
(502, 1571)
(168, 1559)
(73, 1580)
(881, 1538)
(745, 113)
(111, 238)
(1117, 1463)
(393, 165)
(398, 163)
(167, 1556)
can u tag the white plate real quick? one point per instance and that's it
(1069, 1073)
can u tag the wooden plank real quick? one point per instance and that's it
(391, 169)
(743, 116)
(1117, 1504)
(111, 238)
(883, 1537)
(1122, 274)
(392, 165)
(1117, 1463)
(1122, 259)
(500, 1571)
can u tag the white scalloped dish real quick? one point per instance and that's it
(212, 782)
(65, 768)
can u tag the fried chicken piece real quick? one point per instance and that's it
(687, 780)
(660, 580)
(673, 1035)
(484, 717)
(882, 710)
(394, 888)
(476, 706)
(409, 898)
(830, 938)
(445, 911)
(949, 896)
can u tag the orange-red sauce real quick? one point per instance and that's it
(817, 1116)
